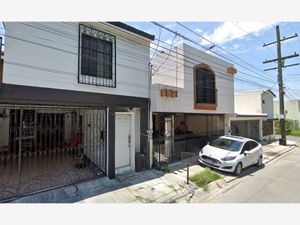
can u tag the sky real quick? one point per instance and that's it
(244, 40)
(240, 43)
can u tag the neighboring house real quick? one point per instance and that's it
(192, 96)
(254, 115)
(74, 103)
(292, 112)
(1, 59)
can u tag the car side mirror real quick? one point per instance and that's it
(246, 152)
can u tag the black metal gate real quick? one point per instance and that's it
(48, 147)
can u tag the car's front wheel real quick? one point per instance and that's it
(238, 169)
(259, 162)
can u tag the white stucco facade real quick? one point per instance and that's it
(45, 54)
(253, 108)
(177, 73)
(255, 102)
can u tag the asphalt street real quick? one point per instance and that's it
(278, 182)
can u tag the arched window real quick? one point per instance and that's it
(205, 92)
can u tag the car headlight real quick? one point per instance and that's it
(228, 158)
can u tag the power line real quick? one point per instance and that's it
(280, 61)
(248, 33)
(76, 53)
(218, 46)
(167, 56)
(175, 32)
(147, 46)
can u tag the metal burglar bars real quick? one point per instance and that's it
(48, 147)
(181, 148)
(96, 57)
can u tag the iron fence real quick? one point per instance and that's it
(181, 147)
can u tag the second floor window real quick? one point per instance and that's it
(205, 86)
(96, 57)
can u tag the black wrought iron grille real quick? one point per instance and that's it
(181, 148)
(49, 147)
(97, 57)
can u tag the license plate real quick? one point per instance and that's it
(209, 161)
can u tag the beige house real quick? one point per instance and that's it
(254, 117)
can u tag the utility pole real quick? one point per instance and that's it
(280, 65)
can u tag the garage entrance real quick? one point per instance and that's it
(179, 136)
(45, 147)
(245, 128)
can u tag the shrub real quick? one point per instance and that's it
(288, 126)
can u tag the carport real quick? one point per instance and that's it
(247, 125)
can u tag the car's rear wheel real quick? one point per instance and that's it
(238, 169)
(259, 162)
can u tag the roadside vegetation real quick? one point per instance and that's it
(289, 128)
(295, 133)
(205, 177)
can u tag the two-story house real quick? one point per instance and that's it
(74, 103)
(254, 115)
(192, 97)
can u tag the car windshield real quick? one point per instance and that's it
(227, 144)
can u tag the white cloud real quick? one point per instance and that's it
(169, 41)
(199, 30)
(235, 46)
(228, 31)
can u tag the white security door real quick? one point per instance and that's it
(122, 140)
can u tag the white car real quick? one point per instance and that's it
(231, 154)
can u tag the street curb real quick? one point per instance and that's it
(266, 162)
(281, 153)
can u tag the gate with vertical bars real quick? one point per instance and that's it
(45, 147)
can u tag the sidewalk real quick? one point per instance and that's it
(151, 186)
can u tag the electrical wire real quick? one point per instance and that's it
(72, 52)
(194, 42)
(220, 47)
(160, 46)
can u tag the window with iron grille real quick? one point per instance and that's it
(205, 86)
(97, 58)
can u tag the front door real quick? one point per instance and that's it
(123, 140)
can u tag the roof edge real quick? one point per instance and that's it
(132, 30)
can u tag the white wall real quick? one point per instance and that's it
(248, 102)
(168, 67)
(185, 100)
(268, 106)
(46, 55)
